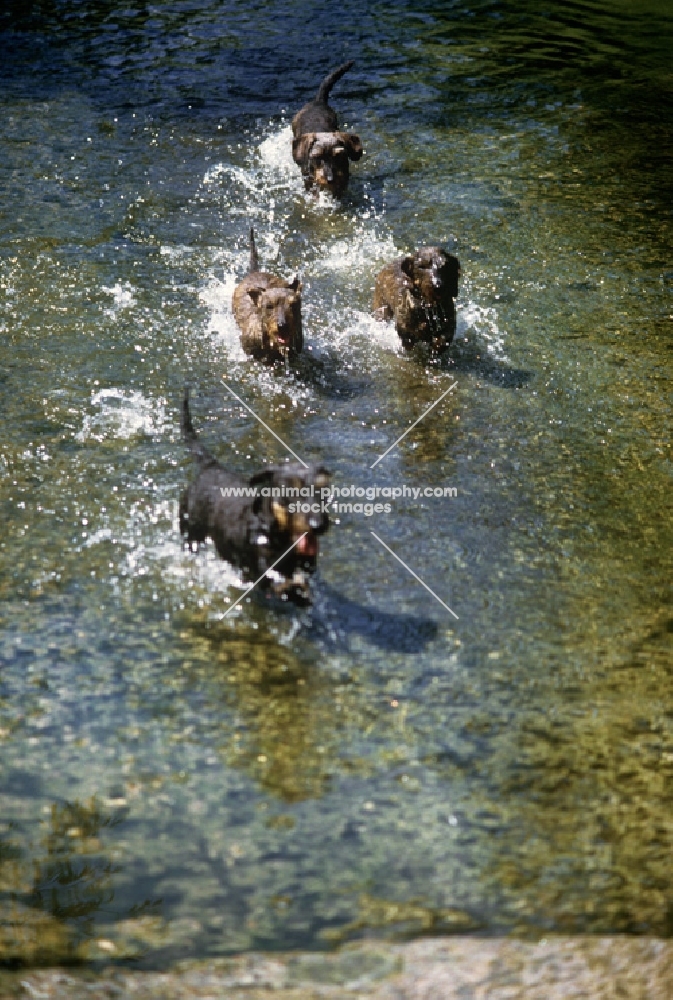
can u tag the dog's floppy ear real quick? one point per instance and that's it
(264, 478)
(352, 144)
(301, 147)
(451, 268)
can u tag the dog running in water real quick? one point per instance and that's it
(252, 532)
(268, 311)
(319, 148)
(417, 292)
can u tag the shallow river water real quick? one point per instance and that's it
(174, 783)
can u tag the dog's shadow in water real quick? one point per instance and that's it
(335, 619)
(468, 358)
(326, 376)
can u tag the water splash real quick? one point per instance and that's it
(482, 321)
(123, 414)
(338, 266)
(122, 298)
(216, 295)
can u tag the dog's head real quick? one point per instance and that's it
(279, 311)
(323, 158)
(290, 514)
(426, 311)
(433, 273)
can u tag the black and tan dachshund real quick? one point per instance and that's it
(282, 511)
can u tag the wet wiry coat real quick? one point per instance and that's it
(417, 292)
(319, 148)
(268, 311)
(252, 532)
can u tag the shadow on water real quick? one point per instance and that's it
(324, 376)
(469, 358)
(462, 357)
(336, 619)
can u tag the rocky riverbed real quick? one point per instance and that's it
(628, 968)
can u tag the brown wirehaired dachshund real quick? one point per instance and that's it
(319, 148)
(268, 311)
(417, 291)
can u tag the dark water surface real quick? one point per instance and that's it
(176, 783)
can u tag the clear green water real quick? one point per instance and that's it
(173, 783)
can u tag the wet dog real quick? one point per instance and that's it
(418, 292)
(253, 531)
(268, 311)
(319, 148)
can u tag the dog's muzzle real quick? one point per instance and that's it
(283, 335)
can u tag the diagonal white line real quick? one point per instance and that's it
(414, 424)
(250, 410)
(252, 587)
(415, 575)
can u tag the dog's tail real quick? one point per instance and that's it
(254, 259)
(329, 81)
(200, 453)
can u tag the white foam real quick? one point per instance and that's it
(176, 252)
(266, 188)
(275, 153)
(123, 414)
(365, 251)
(156, 549)
(102, 535)
(352, 329)
(175, 561)
(122, 298)
(483, 321)
(382, 333)
(216, 295)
